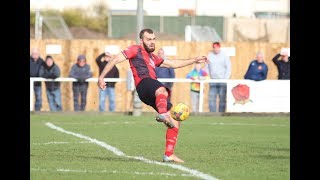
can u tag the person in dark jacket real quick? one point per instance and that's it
(51, 71)
(80, 71)
(283, 65)
(102, 60)
(163, 72)
(35, 63)
(257, 70)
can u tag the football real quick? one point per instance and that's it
(180, 112)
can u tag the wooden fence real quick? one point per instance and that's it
(245, 52)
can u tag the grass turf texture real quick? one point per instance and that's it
(224, 147)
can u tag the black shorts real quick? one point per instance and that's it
(146, 90)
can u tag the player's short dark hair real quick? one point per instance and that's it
(143, 31)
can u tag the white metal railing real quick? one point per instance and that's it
(175, 80)
(62, 79)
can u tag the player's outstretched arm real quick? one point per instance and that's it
(183, 62)
(115, 60)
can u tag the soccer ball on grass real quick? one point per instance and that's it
(180, 112)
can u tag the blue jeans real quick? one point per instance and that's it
(79, 90)
(54, 99)
(195, 101)
(109, 91)
(217, 89)
(38, 103)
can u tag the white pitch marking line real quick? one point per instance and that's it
(108, 171)
(120, 153)
(54, 142)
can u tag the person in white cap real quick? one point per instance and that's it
(282, 61)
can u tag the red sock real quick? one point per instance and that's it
(171, 139)
(161, 103)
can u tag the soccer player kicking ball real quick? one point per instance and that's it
(150, 90)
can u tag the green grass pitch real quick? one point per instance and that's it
(224, 147)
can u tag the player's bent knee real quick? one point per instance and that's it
(161, 90)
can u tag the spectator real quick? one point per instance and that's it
(257, 70)
(163, 72)
(35, 63)
(50, 70)
(102, 60)
(80, 71)
(218, 68)
(283, 65)
(196, 74)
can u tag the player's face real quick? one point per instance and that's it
(149, 41)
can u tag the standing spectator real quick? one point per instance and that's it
(283, 65)
(163, 72)
(218, 68)
(51, 71)
(80, 71)
(102, 60)
(35, 63)
(257, 69)
(196, 74)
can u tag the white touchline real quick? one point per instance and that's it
(54, 142)
(120, 153)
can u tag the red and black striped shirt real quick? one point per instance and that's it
(141, 62)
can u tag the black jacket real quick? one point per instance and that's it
(283, 67)
(50, 73)
(35, 68)
(113, 73)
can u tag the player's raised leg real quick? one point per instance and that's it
(162, 107)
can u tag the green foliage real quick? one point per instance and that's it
(100, 9)
(74, 17)
(50, 12)
(99, 24)
(78, 17)
(226, 147)
(32, 18)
